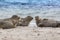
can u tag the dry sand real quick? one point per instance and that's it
(30, 33)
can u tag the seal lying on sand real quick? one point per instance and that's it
(25, 21)
(9, 22)
(38, 20)
(6, 25)
(46, 22)
(14, 19)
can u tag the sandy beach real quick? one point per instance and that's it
(30, 33)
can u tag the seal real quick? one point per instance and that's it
(9, 22)
(25, 21)
(46, 22)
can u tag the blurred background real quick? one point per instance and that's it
(23, 8)
(44, 8)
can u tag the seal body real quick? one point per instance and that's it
(46, 22)
(9, 22)
(25, 21)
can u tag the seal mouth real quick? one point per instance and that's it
(31, 18)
